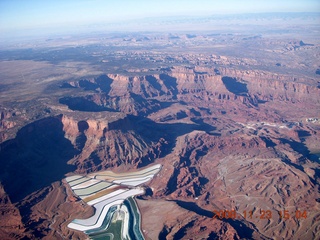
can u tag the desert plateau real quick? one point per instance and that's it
(214, 128)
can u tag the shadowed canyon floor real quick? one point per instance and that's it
(231, 130)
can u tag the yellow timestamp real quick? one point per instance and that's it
(260, 214)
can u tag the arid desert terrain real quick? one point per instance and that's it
(231, 113)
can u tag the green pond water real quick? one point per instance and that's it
(112, 229)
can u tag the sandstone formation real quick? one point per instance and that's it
(227, 139)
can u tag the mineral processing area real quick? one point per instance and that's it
(111, 194)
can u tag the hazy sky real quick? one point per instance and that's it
(25, 14)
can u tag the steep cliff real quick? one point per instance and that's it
(146, 94)
(227, 139)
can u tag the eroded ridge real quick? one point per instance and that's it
(116, 213)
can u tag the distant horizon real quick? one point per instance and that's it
(163, 24)
(19, 15)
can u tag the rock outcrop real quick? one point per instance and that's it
(227, 139)
(144, 95)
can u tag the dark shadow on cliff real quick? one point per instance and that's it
(164, 233)
(183, 230)
(36, 158)
(204, 126)
(170, 83)
(305, 152)
(155, 84)
(104, 83)
(242, 229)
(148, 128)
(131, 103)
(83, 104)
(234, 86)
(193, 207)
(301, 148)
(99, 84)
(152, 131)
